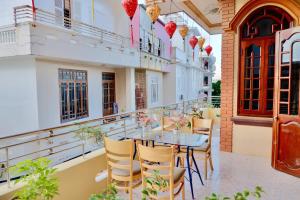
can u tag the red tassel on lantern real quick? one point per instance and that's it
(33, 10)
(193, 42)
(170, 28)
(208, 49)
(130, 7)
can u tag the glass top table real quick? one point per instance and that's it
(180, 139)
(167, 137)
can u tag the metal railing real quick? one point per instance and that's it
(216, 101)
(25, 14)
(7, 35)
(60, 143)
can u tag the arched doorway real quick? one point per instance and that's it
(257, 60)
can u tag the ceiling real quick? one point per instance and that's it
(204, 12)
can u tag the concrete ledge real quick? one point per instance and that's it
(76, 178)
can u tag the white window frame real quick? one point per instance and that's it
(154, 90)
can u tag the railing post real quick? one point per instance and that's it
(7, 167)
(83, 153)
(15, 16)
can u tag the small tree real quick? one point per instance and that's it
(38, 179)
(110, 193)
(154, 184)
(84, 133)
(245, 195)
(216, 86)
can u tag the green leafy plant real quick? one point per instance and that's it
(245, 195)
(84, 133)
(38, 179)
(110, 193)
(154, 184)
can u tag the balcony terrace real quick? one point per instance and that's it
(79, 162)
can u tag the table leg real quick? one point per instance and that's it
(189, 171)
(134, 154)
(198, 172)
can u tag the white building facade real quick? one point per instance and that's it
(57, 70)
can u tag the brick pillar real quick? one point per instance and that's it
(227, 76)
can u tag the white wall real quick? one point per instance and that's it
(7, 10)
(159, 76)
(169, 87)
(18, 97)
(48, 91)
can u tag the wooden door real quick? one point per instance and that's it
(108, 85)
(257, 77)
(286, 128)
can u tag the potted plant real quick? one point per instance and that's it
(179, 121)
(146, 122)
(245, 195)
(86, 133)
(154, 184)
(110, 193)
(38, 179)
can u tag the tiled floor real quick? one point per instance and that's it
(234, 172)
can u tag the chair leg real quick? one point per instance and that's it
(205, 166)
(210, 162)
(182, 162)
(183, 190)
(130, 191)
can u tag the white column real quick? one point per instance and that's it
(130, 89)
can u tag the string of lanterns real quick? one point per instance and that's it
(153, 11)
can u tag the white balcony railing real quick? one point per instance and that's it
(24, 14)
(7, 35)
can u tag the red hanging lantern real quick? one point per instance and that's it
(33, 9)
(170, 28)
(193, 42)
(208, 49)
(130, 7)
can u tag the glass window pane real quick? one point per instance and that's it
(247, 72)
(255, 105)
(255, 94)
(284, 84)
(283, 109)
(284, 71)
(246, 105)
(270, 94)
(256, 72)
(269, 105)
(247, 84)
(271, 83)
(256, 83)
(284, 96)
(247, 94)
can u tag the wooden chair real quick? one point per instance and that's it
(162, 159)
(120, 164)
(204, 126)
(167, 124)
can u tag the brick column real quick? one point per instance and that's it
(227, 86)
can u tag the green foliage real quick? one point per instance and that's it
(110, 193)
(39, 181)
(216, 86)
(84, 133)
(245, 195)
(154, 184)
